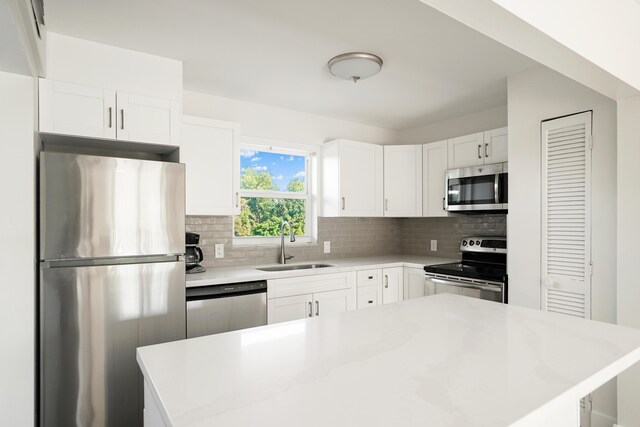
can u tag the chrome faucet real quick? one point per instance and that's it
(283, 258)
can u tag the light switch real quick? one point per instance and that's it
(434, 246)
(219, 250)
(327, 247)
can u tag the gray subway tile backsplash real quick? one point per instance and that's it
(350, 237)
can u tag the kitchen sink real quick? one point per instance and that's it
(295, 267)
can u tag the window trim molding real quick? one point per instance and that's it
(311, 154)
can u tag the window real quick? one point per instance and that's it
(274, 187)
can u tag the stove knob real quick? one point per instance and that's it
(478, 242)
(471, 243)
(464, 243)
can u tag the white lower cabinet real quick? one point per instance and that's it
(296, 298)
(380, 286)
(369, 296)
(331, 302)
(414, 283)
(289, 308)
(392, 284)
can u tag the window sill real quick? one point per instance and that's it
(273, 242)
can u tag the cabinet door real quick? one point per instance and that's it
(403, 180)
(434, 168)
(73, 109)
(210, 151)
(289, 308)
(368, 296)
(147, 119)
(392, 284)
(414, 285)
(325, 303)
(466, 151)
(496, 146)
(361, 179)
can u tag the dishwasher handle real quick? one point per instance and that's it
(226, 291)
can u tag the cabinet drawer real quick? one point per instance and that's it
(368, 296)
(291, 286)
(369, 277)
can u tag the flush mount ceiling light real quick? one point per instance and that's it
(355, 65)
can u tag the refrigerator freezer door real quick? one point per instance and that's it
(92, 319)
(94, 207)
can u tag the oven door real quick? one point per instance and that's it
(477, 188)
(492, 291)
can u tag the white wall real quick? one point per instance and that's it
(266, 121)
(94, 64)
(17, 251)
(605, 32)
(536, 95)
(592, 42)
(629, 249)
(458, 126)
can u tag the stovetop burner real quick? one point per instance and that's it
(493, 272)
(483, 258)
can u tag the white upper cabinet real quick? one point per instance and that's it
(434, 168)
(210, 151)
(465, 151)
(78, 110)
(478, 149)
(352, 179)
(147, 119)
(403, 180)
(68, 108)
(496, 145)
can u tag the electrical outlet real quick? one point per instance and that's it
(327, 247)
(434, 246)
(219, 250)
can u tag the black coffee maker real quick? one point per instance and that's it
(193, 254)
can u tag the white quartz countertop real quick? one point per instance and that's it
(223, 275)
(442, 360)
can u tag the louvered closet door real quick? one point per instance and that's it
(566, 215)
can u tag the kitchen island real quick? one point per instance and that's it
(442, 360)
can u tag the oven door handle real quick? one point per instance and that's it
(484, 287)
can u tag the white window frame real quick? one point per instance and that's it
(310, 153)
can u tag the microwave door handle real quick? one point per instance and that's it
(496, 188)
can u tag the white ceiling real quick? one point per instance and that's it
(275, 52)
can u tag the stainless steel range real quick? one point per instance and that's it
(482, 272)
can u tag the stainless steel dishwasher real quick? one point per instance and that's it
(224, 308)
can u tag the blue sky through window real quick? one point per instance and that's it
(282, 167)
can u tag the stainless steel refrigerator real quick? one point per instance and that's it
(111, 279)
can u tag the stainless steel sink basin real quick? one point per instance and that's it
(295, 267)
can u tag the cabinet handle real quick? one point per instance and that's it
(343, 204)
(479, 148)
(110, 117)
(317, 308)
(237, 199)
(443, 208)
(122, 118)
(370, 277)
(310, 309)
(486, 150)
(386, 281)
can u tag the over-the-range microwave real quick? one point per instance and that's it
(477, 188)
